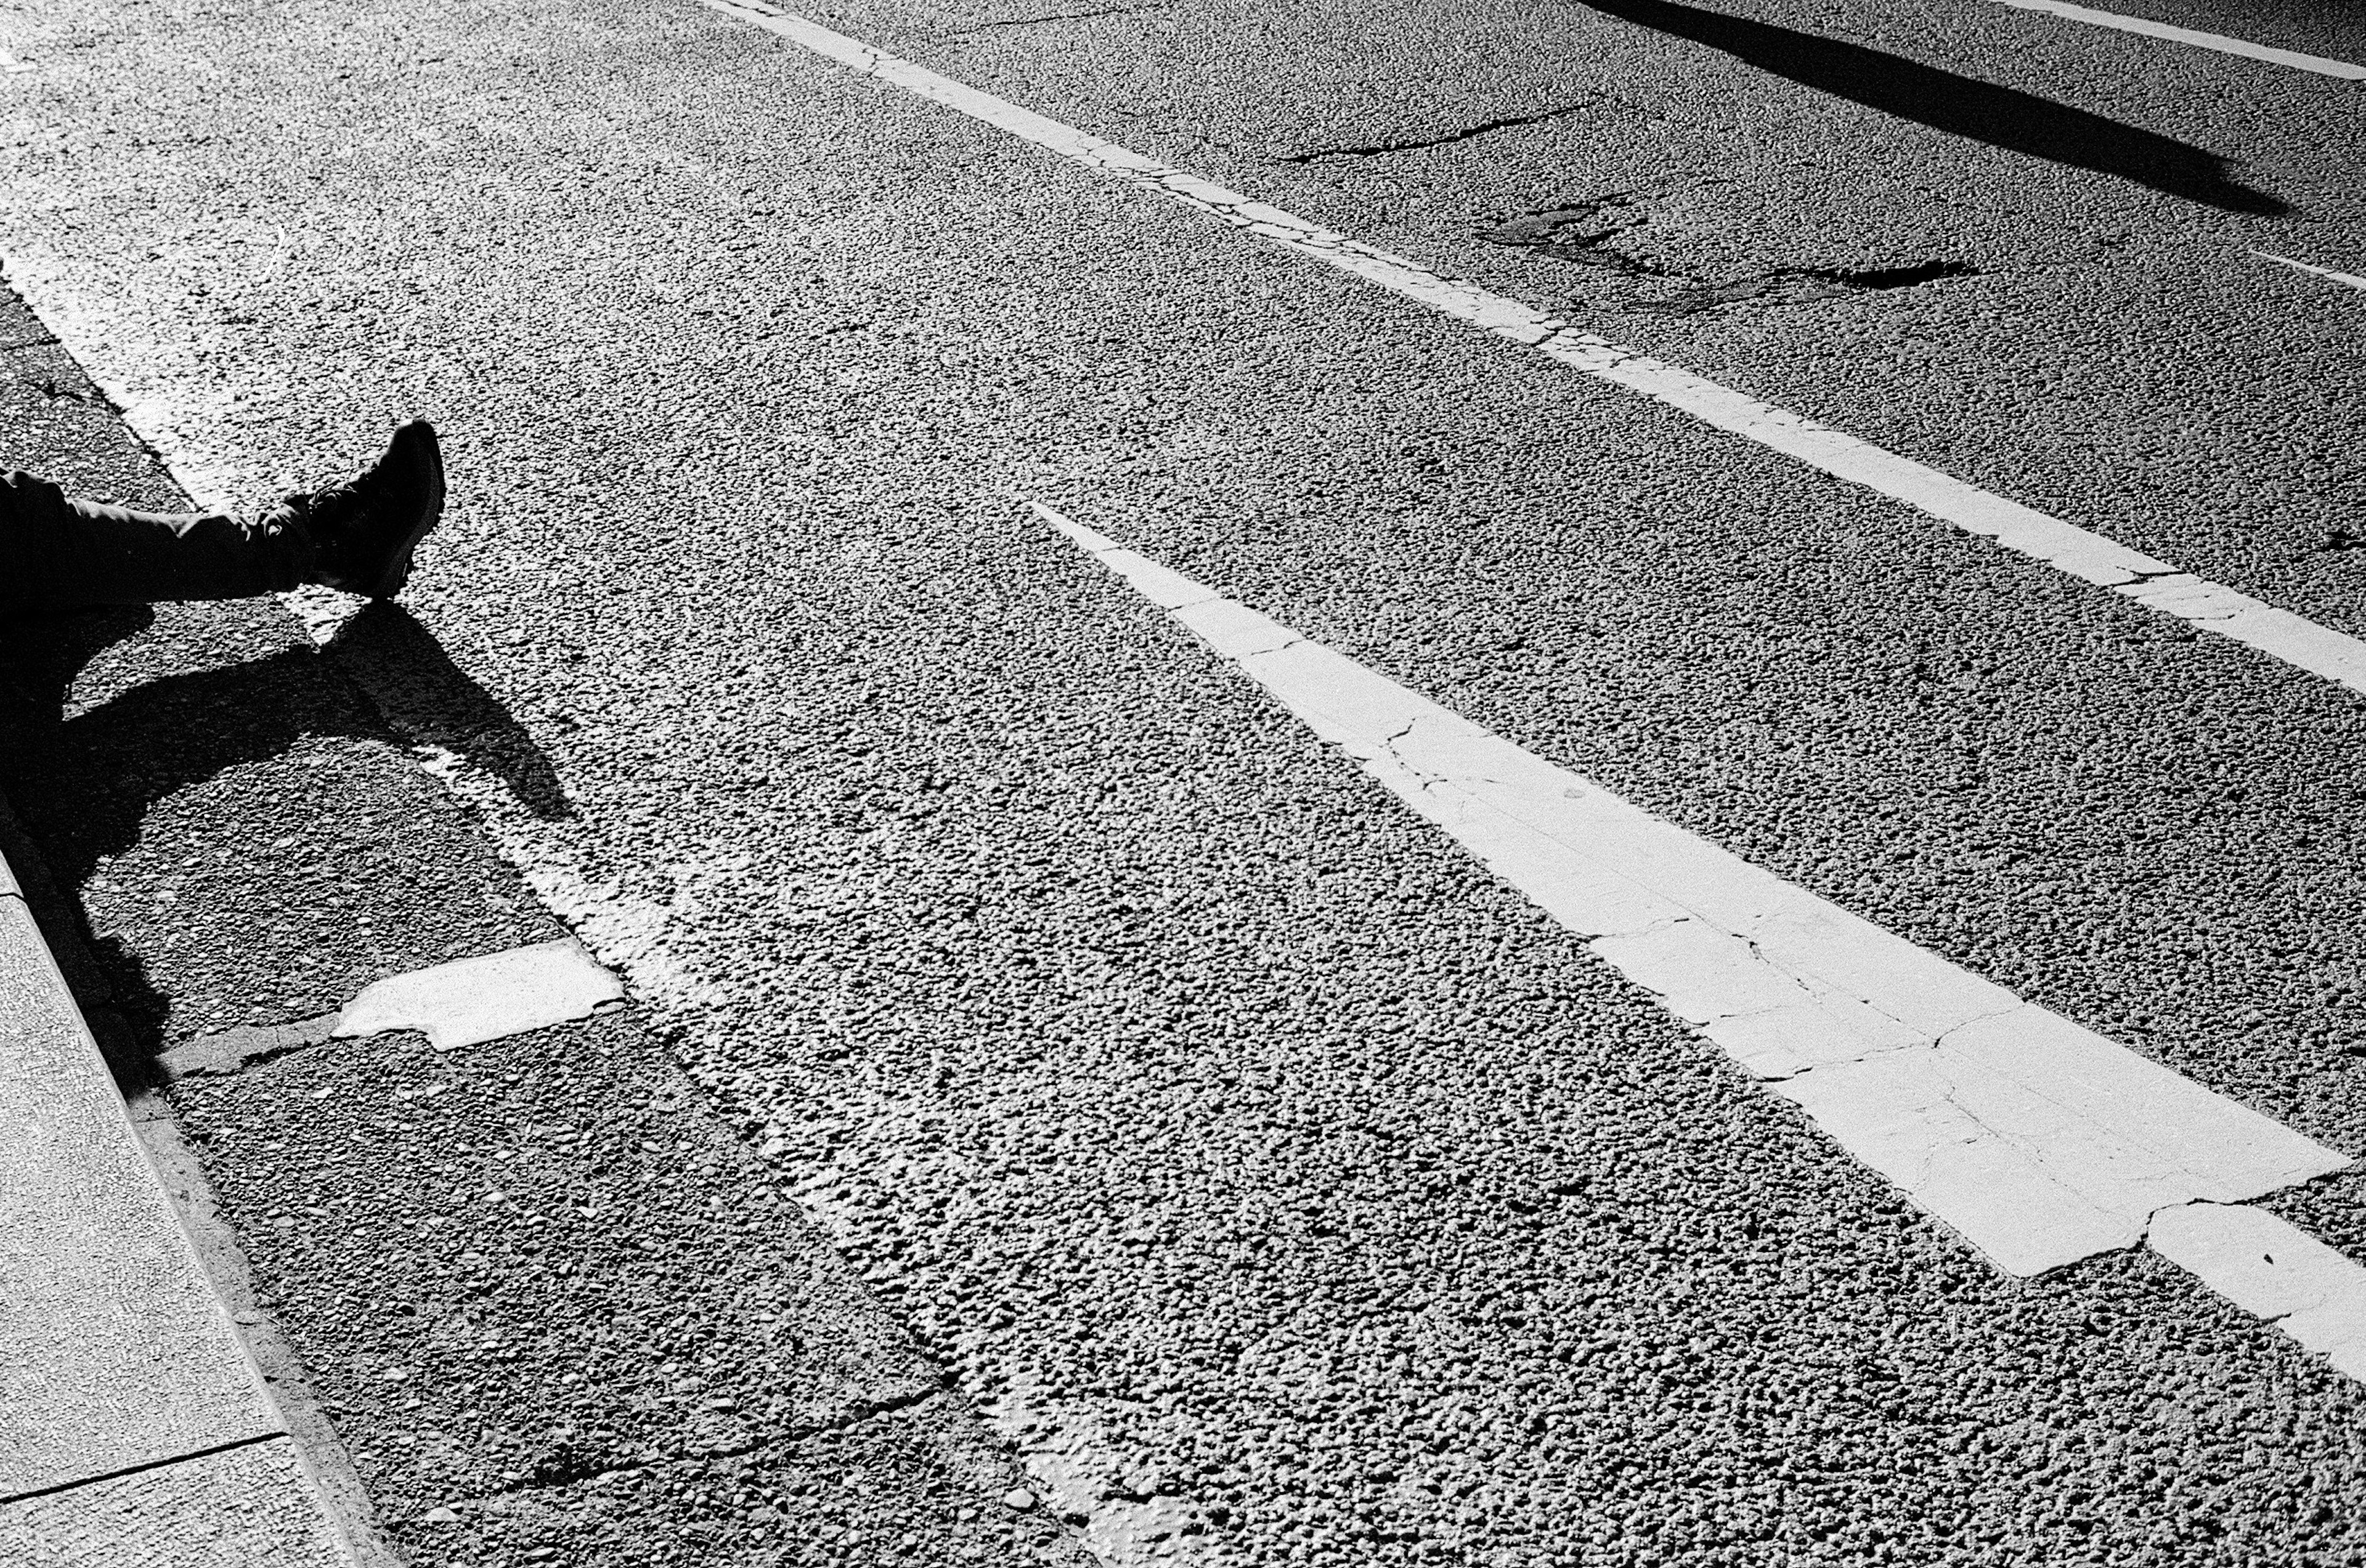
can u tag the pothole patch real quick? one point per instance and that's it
(1588, 232)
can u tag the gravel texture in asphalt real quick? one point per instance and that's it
(1252, 1159)
(553, 1309)
(2012, 246)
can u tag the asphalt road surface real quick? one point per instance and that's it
(1065, 1107)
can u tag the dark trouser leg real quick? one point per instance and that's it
(58, 553)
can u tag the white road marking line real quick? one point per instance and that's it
(2274, 1272)
(473, 1000)
(2219, 41)
(2319, 651)
(2038, 1141)
(2351, 278)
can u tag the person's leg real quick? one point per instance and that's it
(61, 553)
(58, 553)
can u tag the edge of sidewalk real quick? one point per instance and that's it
(149, 1413)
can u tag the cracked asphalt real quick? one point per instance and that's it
(1070, 1075)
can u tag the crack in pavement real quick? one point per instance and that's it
(1584, 231)
(553, 1478)
(1952, 1030)
(1485, 128)
(1054, 16)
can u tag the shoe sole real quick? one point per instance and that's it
(397, 570)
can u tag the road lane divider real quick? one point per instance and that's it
(2210, 606)
(2274, 1272)
(2347, 279)
(2218, 41)
(2038, 1141)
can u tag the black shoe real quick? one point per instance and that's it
(363, 530)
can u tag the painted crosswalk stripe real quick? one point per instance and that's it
(2218, 41)
(2211, 606)
(2038, 1141)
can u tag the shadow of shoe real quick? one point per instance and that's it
(1959, 106)
(434, 703)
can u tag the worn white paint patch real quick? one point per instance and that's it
(1132, 1520)
(2040, 1142)
(2219, 41)
(475, 999)
(633, 933)
(626, 932)
(2078, 552)
(2274, 1272)
(2347, 279)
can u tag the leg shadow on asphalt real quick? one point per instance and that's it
(84, 783)
(434, 703)
(38, 661)
(40, 658)
(1960, 106)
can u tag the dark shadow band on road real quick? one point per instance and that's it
(1960, 106)
(180, 729)
(86, 781)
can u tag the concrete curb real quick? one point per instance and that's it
(135, 1429)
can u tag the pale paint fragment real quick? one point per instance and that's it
(476, 1000)
(2347, 279)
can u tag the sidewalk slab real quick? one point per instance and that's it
(112, 1352)
(115, 1354)
(245, 1507)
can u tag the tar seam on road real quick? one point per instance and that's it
(2210, 606)
(2038, 1141)
(1443, 139)
(2219, 41)
(2349, 279)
